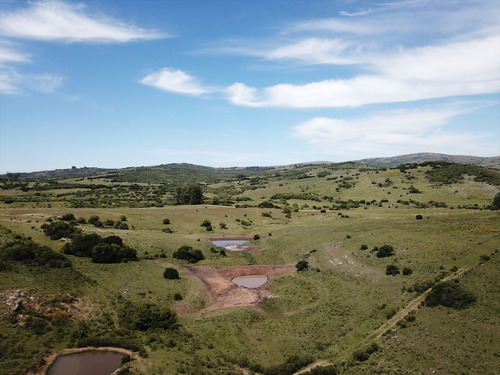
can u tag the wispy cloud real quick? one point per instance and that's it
(461, 68)
(176, 81)
(59, 21)
(10, 53)
(14, 83)
(395, 132)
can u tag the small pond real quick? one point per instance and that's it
(92, 362)
(226, 243)
(250, 281)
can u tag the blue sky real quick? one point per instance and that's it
(240, 83)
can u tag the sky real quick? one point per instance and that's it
(228, 83)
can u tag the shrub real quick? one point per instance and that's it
(171, 274)
(392, 269)
(93, 219)
(206, 223)
(189, 254)
(266, 214)
(364, 247)
(407, 271)
(256, 237)
(419, 217)
(385, 251)
(68, 217)
(59, 229)
(178, 297)
(449, 294)
(166, 221)
(222, 225)
(302, 265)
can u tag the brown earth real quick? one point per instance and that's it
(223, 293)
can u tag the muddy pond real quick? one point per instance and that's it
(92, 362)
(250, 281)
(227, 243)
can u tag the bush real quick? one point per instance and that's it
(206, 223)
(189, 254)
(178, 297)
(407, 271)
(449, 294)
(93, 219)
(419, 217)
(68, 217)
(166, 221)
(302, 265)
(59, 229)
(392, 269)
(385, 251)
(171, 274)
(256, 237)
(364, 247)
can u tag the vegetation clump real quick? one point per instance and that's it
(59, 229)
(171, 274)
(384, 251)
(188, 254)
(449, 294)
(102, 250)
(302, 265)
(30, 253)
(392, 269)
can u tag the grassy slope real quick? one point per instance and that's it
(325, 314)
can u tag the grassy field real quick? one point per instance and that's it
(325, 313)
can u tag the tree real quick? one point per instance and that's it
(392, 269)
(171, 274)
(302, 265)
(385, 251)
(189, 194)
(407, 271)
(59, 229)
(449, 294)
(189, 254)
(496, 202)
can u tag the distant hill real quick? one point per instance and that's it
(490, 162)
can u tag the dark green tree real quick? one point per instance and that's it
(171, 274)
(302, 265)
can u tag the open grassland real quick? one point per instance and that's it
(325, 313)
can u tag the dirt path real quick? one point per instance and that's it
(413, 305)
(223, 293)
(391, 323)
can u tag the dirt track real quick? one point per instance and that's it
(223, 293)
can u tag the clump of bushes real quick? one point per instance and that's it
(449, 294)
(361, 355)
(59, 229)
(30, 253)
(102, 250)
(207, 224)
(189, 254)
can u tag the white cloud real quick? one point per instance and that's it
(14, 83)
(58, 21)
(10, 54)
(45, 83)
(314, 51)
(395, 133)
(461, 68)
(9, 82)
(174, 81)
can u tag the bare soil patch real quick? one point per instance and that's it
(223, 293)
